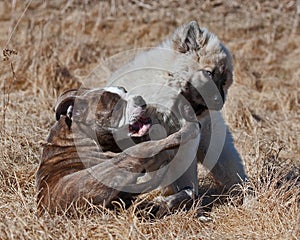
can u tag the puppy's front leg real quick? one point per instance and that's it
(218, 154)
(183, 191)
(174, 201)
(182, 174)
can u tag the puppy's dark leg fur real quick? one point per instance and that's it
(180, 199)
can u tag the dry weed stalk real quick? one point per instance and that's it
(7, 53)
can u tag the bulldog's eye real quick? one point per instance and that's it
(123, 89)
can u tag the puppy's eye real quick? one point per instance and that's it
(209, 73)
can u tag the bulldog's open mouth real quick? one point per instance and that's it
(140, 127)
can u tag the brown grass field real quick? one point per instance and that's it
(58, 43)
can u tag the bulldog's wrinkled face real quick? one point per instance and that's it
(102, 112)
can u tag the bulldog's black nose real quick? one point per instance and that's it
(139, 101)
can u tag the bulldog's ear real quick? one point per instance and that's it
(63, 102)
(61, 107)
(186, 38)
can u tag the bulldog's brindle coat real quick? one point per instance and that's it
(81, 161)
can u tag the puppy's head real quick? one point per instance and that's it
(103, 111)
(207, 65)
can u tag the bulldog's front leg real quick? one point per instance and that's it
(103, 182)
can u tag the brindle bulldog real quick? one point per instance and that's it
(100, 145)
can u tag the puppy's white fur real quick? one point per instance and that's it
(159, 74)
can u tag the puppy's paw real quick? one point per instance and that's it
(183, 199)
(163, 206)
(203, 217)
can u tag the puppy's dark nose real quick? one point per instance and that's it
(139, 101)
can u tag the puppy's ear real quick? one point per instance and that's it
(186, 38)
(63, 102)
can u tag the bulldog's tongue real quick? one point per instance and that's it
(139, 128)
(142, 131)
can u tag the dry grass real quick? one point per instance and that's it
(58, 43)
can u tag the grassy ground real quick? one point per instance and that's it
(59, 43)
